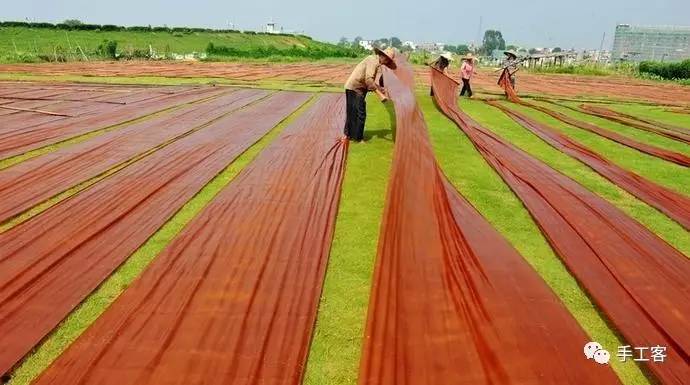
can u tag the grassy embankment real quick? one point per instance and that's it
(26, 44)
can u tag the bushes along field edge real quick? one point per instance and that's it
(668, 71)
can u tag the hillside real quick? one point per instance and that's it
(51, 43)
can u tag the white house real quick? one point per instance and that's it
(410, 44)
(366, 44)
(272, 27)
(431, 47)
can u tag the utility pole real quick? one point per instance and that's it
(479, 32)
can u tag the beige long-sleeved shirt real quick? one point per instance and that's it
(363, 77)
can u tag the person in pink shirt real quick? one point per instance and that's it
(466, 72)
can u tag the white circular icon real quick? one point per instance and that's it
(591, 348)
(594, 350)
(602, 356)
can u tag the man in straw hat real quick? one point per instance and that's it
(466, 73)
(362, 80)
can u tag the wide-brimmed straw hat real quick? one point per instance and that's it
(448, 56)
(389, 54)
(468, 56)
(510, 53)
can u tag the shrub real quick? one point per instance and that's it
(72, 22)
(669, 71)
(135, 53)
(107, 49)
(14, 24)
(110, 27)
(87, 27)
(41, 25)
(139, 28)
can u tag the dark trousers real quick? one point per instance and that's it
(466, 88)
(356, 110)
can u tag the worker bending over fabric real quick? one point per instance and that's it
(510, 66)
(441, 64)
(362, 80)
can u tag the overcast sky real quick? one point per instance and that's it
(539, 23)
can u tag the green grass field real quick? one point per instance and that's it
(337, 341)
(22, 42)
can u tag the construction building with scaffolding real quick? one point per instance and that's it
(655, 43)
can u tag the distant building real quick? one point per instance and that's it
(431, 47)
(272, 27)
(597, 56)
(410, 44)
(551, 59)
(662, 43)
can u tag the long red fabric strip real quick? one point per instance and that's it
(16, 120)
(671, 203)
(673, 132)
(638, 280)
(452, 302)
(233, 299)
(21, 140)
(684, 130)
(31, 182)
(50, 263)
(658, 152)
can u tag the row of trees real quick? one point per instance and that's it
(394, 42)
(492, 40)
(460, 49)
